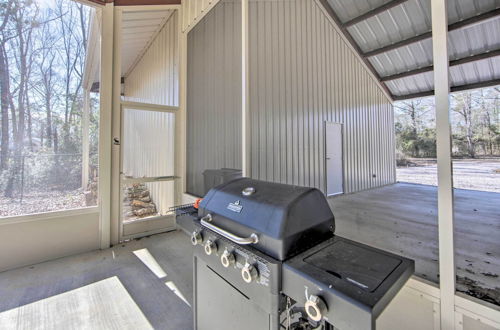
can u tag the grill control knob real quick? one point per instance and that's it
(196, 238)
(210, 246)
(227, 259)
(315, 308)
(249, 273)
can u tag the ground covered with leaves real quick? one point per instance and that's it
(42, 201)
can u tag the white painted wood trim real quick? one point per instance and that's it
(148, 106)
(90, 3)
(436, 310)
(180, 152)
(115, 227)
(477, 309)
(105, 124)
(427, 289)
(190, 22)
(152, 179)
(85, 138)
(459, 321)
(48, 215)
(148, 7)
(444, 165)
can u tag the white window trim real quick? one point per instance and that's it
(48, 215)
(59, 213)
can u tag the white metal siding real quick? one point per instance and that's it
(148, 151)
(139, 30)
(214, 94)
(302, 73)
(193, 11)
(155, 78)
(149, 135)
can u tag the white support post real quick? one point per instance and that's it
(116, 128)
(245, 116)
(85, 138)
(180, 118)
(105, 141)
(444, 163)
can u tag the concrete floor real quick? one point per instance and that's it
(402, 218)
(162, 308)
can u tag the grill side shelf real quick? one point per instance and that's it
(355, 280)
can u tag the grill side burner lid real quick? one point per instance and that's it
(287, 219)
(353, 281)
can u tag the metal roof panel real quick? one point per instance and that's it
(413, 18)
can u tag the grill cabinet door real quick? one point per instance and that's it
(221, 306)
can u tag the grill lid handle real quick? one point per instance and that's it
(252, 239)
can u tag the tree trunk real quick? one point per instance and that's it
(42, 129)
(4, 105)
(30, 126)
(48, 111)
(471, 145)
(56, 141)
(13, 115)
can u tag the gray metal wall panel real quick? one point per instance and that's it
(214, 94)
(302, 73)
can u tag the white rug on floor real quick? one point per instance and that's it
(101, 305)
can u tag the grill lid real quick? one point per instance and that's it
(287, 219)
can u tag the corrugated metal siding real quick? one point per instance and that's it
(194, 10)
(484, 70)
(155, 78)
(139, 28)
(302, 73)
(413, 18)
(214, 94)
(149, 136)
(143, 156)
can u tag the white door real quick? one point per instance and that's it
(334, 170)
(147, 169)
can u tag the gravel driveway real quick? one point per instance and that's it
(473, 174)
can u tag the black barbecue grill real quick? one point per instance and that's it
(266, 257)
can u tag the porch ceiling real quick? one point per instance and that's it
(394, 38)
(139, 29)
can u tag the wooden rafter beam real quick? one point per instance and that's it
(373, 12)
(459, 88)
(455, 26)
(350, 39)
(429, 68)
